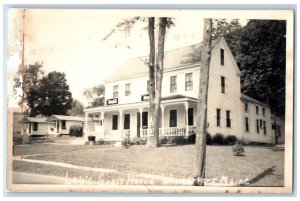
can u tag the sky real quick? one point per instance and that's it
(71, 41)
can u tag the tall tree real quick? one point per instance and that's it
(261, 55)
(200, 146)
(52, 96)
(95, 95)
(155, 67)
(28, 79)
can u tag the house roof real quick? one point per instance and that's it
(248, 98)
(36, 119)
(65, 117)
(172, 59)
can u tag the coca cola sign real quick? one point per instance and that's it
(112, 101)
(145, 97)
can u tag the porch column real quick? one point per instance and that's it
(121, 123)
(102, 119)
(162, 120)
(186, 105)
(56, 126)
(141, 120)
(85, 127)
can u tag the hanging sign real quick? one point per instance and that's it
(112, 101)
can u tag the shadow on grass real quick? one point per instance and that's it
(240, 155)
(268, 171)
(276, 149)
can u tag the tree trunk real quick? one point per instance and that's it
(200, 146)
(155, 79)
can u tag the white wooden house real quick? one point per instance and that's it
(61, 124)
(38, 126)
(53, 125)
(127, 108)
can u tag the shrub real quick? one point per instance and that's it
(192, 138)
(230, 139)
(76, 131)
(127, 141)
(163, 140)
(238, 150)
(99, 142)
(179, 140)
(138, 141)
(241, 141)
(218, 139)
(172, 140)
(209, 140)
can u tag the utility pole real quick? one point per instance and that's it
(200, 146)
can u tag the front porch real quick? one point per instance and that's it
(115, 122)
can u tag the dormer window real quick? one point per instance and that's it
(222, 56)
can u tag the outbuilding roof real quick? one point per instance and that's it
(36, 119)
(172, 59)
(65, 117)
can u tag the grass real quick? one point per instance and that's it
(46, 148)
(262, 166)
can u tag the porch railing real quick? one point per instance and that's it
(172, 131)
(112, 134)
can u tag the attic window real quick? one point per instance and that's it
(222, 56)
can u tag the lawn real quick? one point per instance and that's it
(261, 166)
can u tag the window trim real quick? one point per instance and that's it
(228, 119)
(115, 91)
(246, 103)
(63, 124)
(128, 89)
(218, 117)
(257, 126)
(35, 126)
(191, 116)
(173, 84)
(247, 124)
(188, 82)
(222, 56)
(223, 85)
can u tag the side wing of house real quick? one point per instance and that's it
(256, 122)
(223, 111)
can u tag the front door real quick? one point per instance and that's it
(57, 126)
(145, 120)
(138, 123)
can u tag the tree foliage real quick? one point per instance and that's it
(76, 109)
(260, 51)
(95, 95)
(155, 64)
(27, 79)
(52, 96)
